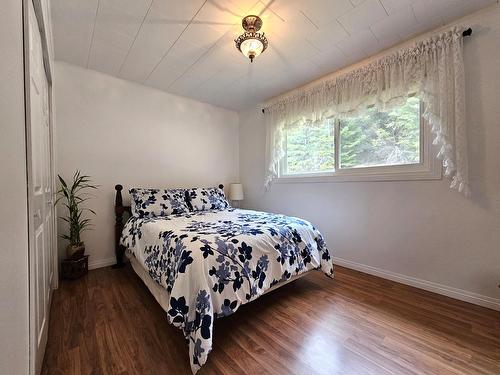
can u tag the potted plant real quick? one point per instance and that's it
(73, 197)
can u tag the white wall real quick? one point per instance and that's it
(13, 198)
(421, 232)
(121, 132)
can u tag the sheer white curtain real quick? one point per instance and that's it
(432, 68)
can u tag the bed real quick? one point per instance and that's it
(201, 265)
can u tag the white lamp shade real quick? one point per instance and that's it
(252, 47)
(236, 192)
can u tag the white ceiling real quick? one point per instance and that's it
(186, 47)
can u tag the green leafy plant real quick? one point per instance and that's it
(74, 196)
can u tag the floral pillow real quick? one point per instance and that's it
(158, 202)
(202, 199)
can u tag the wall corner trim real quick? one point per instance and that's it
(460, 294)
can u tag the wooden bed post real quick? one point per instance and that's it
(119, 210)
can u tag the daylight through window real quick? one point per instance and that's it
(310, 148)
(373, 139)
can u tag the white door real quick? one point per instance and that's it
(40, 185)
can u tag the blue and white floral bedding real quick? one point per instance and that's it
(211, 262)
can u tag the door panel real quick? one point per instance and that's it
(40, 178)
(40, 300)
(50, 245)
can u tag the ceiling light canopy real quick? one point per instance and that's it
(251, 43)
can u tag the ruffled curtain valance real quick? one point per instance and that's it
(432, 68)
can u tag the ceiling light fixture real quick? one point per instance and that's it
(251, 43)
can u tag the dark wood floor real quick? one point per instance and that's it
(108, 323)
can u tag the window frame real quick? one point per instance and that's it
(429, 168)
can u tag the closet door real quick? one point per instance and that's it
(40, 194)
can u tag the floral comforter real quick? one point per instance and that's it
(211, 262)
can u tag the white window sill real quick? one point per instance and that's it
(431, 171)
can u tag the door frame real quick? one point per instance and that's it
(38, 8)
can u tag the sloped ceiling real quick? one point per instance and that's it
(186, 47)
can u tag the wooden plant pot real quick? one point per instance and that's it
(75, 252)
(75, 268)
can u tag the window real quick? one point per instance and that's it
(381, 138)
(376, 145)
(310, 149)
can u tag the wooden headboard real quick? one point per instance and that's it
(120, 210)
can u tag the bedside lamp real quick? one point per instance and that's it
(236, 193)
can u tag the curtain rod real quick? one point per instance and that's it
(467, 32)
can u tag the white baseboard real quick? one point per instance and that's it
(99, 263)
(460, 294)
